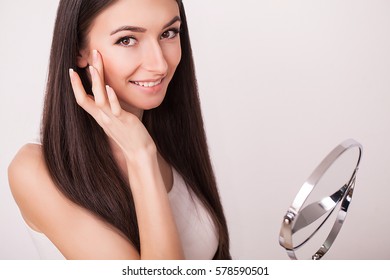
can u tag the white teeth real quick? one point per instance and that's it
(147, 84)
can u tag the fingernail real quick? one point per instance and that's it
(71, 71)
(92, 71)
(94, 56)
(108, 89)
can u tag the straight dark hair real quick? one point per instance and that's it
(76, 149)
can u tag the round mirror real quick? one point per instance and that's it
(315, 217)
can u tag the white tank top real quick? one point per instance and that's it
(196, 229)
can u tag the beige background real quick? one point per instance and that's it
(281, 83)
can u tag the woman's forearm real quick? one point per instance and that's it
(159, 237)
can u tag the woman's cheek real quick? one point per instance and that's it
(172, 53)
(178, 55)
(120, 67)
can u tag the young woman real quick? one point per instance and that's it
(122, 170)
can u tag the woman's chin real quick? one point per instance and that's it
(135, 108)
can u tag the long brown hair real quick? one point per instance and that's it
(76, 149)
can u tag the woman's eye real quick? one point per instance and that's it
(127, 41)
(170, 34)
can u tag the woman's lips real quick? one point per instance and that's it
(147, 84)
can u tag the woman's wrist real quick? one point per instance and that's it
(143, 153)
(142, 158)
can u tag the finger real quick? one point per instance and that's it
(98, 88)
(116, 108)
(99, 91)
(97, 62)
(82, 98)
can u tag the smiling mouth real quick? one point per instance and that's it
(147, 84)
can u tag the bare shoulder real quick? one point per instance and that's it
(76, 232)
(28, 160)
(29, 180)
(26, 169)
(29, 156)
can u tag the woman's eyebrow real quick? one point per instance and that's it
(172, 21)
(141, 29)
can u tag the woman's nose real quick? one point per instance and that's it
(154, 60)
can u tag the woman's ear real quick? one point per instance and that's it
(82, 59)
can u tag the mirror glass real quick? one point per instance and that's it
(317, 213)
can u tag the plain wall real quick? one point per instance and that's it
(281, 83)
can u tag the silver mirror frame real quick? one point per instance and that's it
(297, 218)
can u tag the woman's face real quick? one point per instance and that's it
(140, 46)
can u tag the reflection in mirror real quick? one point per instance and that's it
(319, 209)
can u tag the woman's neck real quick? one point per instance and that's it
(139, 113)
